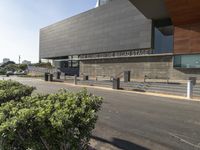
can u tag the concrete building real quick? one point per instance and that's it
(157, 38)
(26, 62)
(5, 60)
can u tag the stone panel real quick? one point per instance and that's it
(115, 26)
(160, 66)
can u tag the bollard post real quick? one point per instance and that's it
(75, 79)
(58, 75)
(85, 77)
(65, 78)
(50, 77)
(127, 76)
(116, 83)
(46, 76)
(189, 89)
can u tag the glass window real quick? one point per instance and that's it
(69, 64)
(75, 57)
(163, 37)
(66, 65)
(75, 64)
(187, 61)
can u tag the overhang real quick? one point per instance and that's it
(152, 9)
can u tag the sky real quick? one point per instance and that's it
(21, 20)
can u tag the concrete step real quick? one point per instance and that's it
(175, 89)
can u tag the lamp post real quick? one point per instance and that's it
(19, 59)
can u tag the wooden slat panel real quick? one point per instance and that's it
(184, 11)
(187, 39)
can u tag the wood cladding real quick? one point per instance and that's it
(185, 16)
(187, 39)
(184, 11)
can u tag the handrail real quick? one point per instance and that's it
(120, 75)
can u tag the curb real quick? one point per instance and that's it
(135, 92)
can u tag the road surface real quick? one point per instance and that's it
(131, 121)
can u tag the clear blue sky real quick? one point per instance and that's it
(20, 21)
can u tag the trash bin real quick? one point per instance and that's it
(127, 76)
(58, 75)
(46, 76)
(85, 77)
(116, 83)
(51, 77)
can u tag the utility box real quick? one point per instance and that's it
(127, 76)
(116, 83)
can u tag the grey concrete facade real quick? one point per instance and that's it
(156, 66)
(115, 26)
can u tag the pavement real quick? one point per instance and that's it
(133, 121)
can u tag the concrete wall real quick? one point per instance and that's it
(115, 26)
(161, 66)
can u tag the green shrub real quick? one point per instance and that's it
(62, 121)
(11, 90)
(2, 71)
(43, 65)
(6, 84)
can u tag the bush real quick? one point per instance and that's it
(59, 121)
(43, 65)
(2, 71)
(23, 67)
(10, 90)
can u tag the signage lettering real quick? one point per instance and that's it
(128, 53)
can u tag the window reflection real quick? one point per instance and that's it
(187, 61)
(163, 37)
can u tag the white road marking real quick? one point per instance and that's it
(185, 141)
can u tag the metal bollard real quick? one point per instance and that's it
(46, 76)
(189, 89)
(116, 83)
(51, 77)
(65, 77)
(85, 77)
(75, 79)
(58, 75)
(127, 76)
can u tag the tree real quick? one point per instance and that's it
(44, 65)
(7, 63)
(23, 67)
(11, 67)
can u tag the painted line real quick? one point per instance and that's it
(184, 141)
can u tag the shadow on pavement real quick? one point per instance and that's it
(120, 143)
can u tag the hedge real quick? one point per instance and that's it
(62, 121)
(11, 90)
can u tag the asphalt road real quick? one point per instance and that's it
(131, 121)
